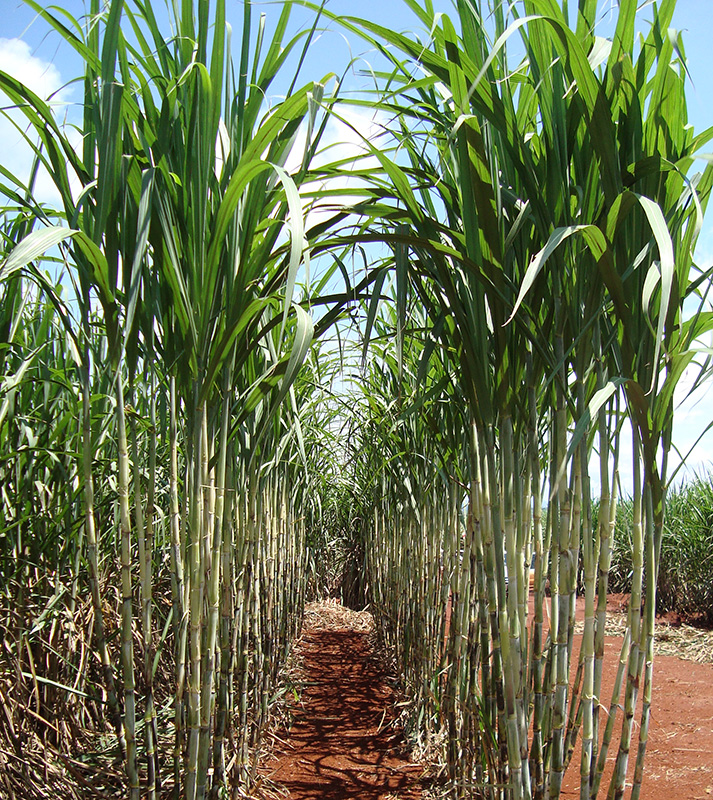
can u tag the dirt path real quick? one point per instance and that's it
(343, 743)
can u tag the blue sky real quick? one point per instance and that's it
(35, 55)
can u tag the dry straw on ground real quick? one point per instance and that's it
(330, 615)
(670, 639)
(685, 641)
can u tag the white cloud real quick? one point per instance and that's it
(39, 76)
(347, 140)
(45, 80)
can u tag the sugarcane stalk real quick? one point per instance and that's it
(148, 591)
(654, 532)
(614, 706)
(512, 656)
(178, 589)
(213, 597)
(93, 559)
(560, 578)
(223, 705)
(602, 554)
(616, 787)
(589, 698)
(196, 567)
(145, 605)
(127, 644)
(536, 656)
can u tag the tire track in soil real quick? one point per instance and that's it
(343, 742)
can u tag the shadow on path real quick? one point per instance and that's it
(343, 743)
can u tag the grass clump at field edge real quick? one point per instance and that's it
(685, 583)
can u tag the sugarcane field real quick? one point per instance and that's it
(356, 390)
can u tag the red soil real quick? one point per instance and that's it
(679, 754)
(344, 743)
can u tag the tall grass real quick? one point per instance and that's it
(684, 583)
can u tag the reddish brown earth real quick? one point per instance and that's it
(679, 754)
(344, 742)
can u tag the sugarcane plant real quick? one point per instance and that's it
(183, 245)
(544, 211)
